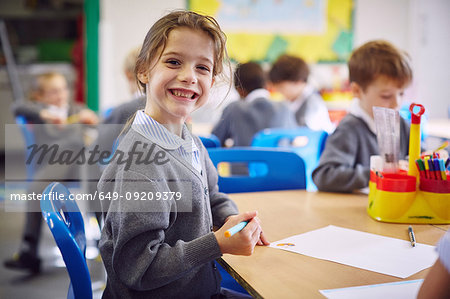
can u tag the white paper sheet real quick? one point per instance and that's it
(362, 250)
(398, 290)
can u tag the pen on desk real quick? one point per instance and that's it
(237, 228)
(412, 238)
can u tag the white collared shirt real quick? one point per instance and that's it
(297, 103)
(320, 119)
(157, 133)
(356, 110)
(257, 93)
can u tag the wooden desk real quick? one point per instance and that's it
(272, 273)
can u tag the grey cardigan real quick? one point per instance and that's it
(344, 163)
(151, 249)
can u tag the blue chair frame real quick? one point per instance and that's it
(65, 221)
(285, 169)
(210, 141)
(283, 138)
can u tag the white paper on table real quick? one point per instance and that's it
(362, 250)
(398, 290)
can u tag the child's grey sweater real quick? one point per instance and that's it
(344, 165)
(148, 251)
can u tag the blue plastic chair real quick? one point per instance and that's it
(66, 224)
(307, 143)
(285, 169)
(210, 141)
(28, 135)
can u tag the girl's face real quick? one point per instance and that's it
(179, 82)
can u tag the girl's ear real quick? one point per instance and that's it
(212, 81)
(143, 78)
(356, 90)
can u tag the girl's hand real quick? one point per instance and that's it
(243, 242)
(263, 241)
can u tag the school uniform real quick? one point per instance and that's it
(310, 111)
(344, 165)
(118, 116)
(242, 119)
(162, 248)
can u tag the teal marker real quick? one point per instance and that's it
(235, 229)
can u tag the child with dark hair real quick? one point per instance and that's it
(241, 120)
(289, 76)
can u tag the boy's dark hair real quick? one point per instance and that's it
(289, 68)
(249, 76)
(377, 58)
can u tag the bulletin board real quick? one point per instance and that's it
(261, 30)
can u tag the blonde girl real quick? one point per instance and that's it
(158, 239)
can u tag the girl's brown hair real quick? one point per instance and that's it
(379, 58)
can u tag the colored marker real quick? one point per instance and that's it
(419, 167)
(235, 229)
(442, 168)
(431, 168)
(412, 238)
(442, 146)
(437, 169)
(422, 165)
(427, 169)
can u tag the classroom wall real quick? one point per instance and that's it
(123, 25)
(430, 51)
(419, 27)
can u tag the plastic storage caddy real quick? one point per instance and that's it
(406, 197)
(394, 198)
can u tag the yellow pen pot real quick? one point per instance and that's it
(392, 197)
(437, 194)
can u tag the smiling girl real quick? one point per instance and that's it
(154, 244)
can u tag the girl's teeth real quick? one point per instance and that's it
(182, 94)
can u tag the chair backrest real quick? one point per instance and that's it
(285, 169)
(66, 224)
(210, 141)
(28, 135)
(307, 143)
